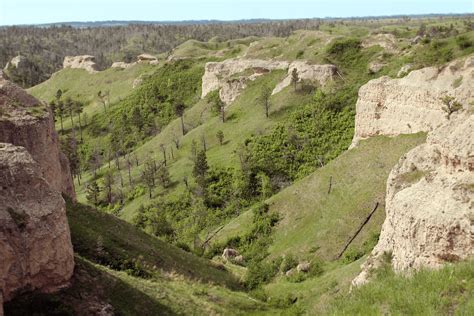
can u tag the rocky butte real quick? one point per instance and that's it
(35, 245)
(232, 75)
(430, 192)
(86, 62)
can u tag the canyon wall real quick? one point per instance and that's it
(35, 244)
(430, 192)
(24, 121)
(412, 104)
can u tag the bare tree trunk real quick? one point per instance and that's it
(182, 125)
(358, 231)
(80, 126)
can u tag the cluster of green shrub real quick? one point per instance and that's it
(151, 107)
(311, 136)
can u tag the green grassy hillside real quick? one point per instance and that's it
(215, 48)
(105, 239)
(281, 189)
(315, 223)
(81, 85)
(136, 274)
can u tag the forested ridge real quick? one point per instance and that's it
(46, 47)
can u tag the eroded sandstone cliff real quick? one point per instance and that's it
(430, 192)
(24, 121)
(86, 62)
(35, 245)
(231, 75)
(412, 104)
(319, 74)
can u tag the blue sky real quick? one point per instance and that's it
(44, 11)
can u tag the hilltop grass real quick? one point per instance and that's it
(315, 223)
(214, 48)
(81, 85)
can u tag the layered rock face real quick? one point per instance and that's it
(86, 62)
(35, 245)
(225, 75)
(319, 74)
(24, 121)
(430, 192)
(411, 104)
(430, 202)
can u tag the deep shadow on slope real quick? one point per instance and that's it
(107, 240)
(92, 290)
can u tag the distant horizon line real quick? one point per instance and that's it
(247, 21)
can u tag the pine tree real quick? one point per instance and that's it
(265, 95)
(219, 107)
(294, 77)
(163, 176)
(148, 176)
(69, 107)
(220, 137)
(200, 169)
(78, 107)
(92, 192)
(179, 111)
(60, 112)
(108, 184)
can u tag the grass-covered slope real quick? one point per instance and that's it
(315, 223)
(78, 83)
(215, 48)
(110, 241)
(136, 274)
(449, 291)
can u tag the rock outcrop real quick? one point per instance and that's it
(430, 202)
(385, 40)
(86, 62)
(17, 63)
(430, 192)
(122, 64)
(319, 74)
(35, 245)
(231, 75)
(411, 104)
(25, 122)
(147, 58)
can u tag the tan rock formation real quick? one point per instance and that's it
(86, 62)
(385, 40)
(18, 62)
(121, 64)
(35, 245)
(147, 58)
(429, 203)
(404, 70)
(231, 75)
(24, 121)
(319, 74)
(411, 104)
